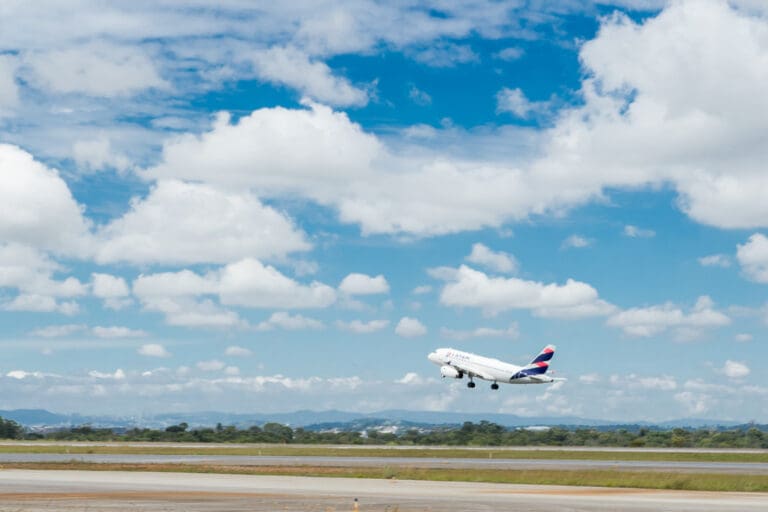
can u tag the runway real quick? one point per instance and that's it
(752, 468)
(38, 491)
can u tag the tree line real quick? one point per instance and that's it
(483, 433)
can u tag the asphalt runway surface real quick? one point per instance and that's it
(38, 491)
(412, 462)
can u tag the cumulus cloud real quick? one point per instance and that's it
(362, 284)
(715, 260)
(236, 351)
(40, 304)
(360, 327)
(411, 379)
(112, 289)
(37, 209)
(753, 258)
(467, 287)
(409, 327)
(515, 102)
(250, 283)
(168, 225)
(511, 332)
(58, 331)
(246, 283)
(653, 320)
(735, 369)
(283, 320)
(97, 154)
(153, 350)
(575, 242)
(497, 261)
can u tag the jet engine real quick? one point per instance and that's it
(450, 372)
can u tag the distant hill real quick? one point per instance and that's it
(332, 419)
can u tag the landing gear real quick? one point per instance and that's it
(470, 384)
(494, 386)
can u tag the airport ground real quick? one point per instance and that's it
(35, 477)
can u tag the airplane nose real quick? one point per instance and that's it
(433, 357)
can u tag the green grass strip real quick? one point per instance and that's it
(330, 451)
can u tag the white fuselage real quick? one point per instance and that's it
(478, 366)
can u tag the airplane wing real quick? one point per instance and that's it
(471, 370)
(546, 378)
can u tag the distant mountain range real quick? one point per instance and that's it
(330, 420)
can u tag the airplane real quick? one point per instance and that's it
(455, 364)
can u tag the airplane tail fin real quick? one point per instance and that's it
(540, 364)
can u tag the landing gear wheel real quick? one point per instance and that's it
(494, 386)
(470, 384)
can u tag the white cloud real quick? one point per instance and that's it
(498, 261)
(31, 272)
(187, 312)
(735, 369)
(743, 337)
(58, 331)
(653, 320)
(37, 208)
(590, 378)
(168, 225)
(445, 55)
(112, 289)
(236, 351)
(467, 287)
(97, 154)
(294, 68)
(576, 242)
(153, 350)
(362, 284)
(695, 403)
(418, 96)
(421, 290)
(511, 53)
(753, 258)
(106, 286)
(117, 332)
(213, 365)
(409, 327)
(284, 320)
(40, 304)
(95, 70)
(249, 283)
(636, 232)
(511, 332)
(118, 374)
(360, 327)
(411, 379)
(715, 260)
(515, 102)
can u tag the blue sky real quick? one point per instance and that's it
(251, 208)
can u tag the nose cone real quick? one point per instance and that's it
(434, 357)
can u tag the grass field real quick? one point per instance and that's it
(333, 451)
(596, 478)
